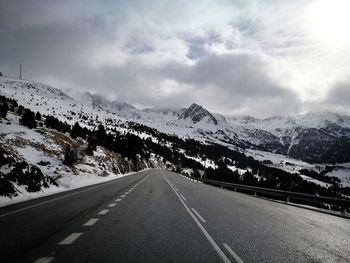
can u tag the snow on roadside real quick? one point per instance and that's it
(71, 182)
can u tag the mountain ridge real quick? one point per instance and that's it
(312, 137)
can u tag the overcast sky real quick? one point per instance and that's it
(258, 57)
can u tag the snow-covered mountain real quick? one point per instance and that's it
(287, 143)
(197, 113)
(321, 137)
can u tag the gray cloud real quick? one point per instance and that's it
(340, 94)
(159, 53)
(338, 97)
(234, 81)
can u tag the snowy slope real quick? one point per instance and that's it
(44, 149)
(311, 138)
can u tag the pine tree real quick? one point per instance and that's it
(28, 119)
(76, 131)
(20, 109)
(3, 109)
(70, 156)
(91, 147)
(38, 116)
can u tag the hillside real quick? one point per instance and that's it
(44, 148)
(321, 138)
(121, 138)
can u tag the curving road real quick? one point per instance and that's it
(160, 216)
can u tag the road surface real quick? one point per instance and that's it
(160, 216)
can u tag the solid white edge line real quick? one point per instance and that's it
(61, 197)
(201, 227)
(103, 212)
(112, 205)
(183, 197)
(233, 254)
(44, 260)
(70, 239)
(198, 215)
(141, 181)
(91, 222)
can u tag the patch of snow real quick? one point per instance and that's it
(239, 170)
(67, 183)
(309, 179)
(343, 173)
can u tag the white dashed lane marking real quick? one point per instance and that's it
(44, 260)
(118, 200)
(103, 212)
(91, 222)
(201, 227)
(70, 239)
(112, 205)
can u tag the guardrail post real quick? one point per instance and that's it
(287, 199)
(343, 210)
(255, 194)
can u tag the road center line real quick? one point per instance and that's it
(198, 215)
(70, 239)
(201, 227)
(91, 222)
(183, 197)
(44, 260)
(103, 212)
(233, 254)
(112, 205)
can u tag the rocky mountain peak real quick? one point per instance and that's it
(196, 113)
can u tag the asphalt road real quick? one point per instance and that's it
(159, 216)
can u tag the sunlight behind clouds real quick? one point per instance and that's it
(130, 49)
(329, 22)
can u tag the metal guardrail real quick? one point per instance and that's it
(342, 204)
